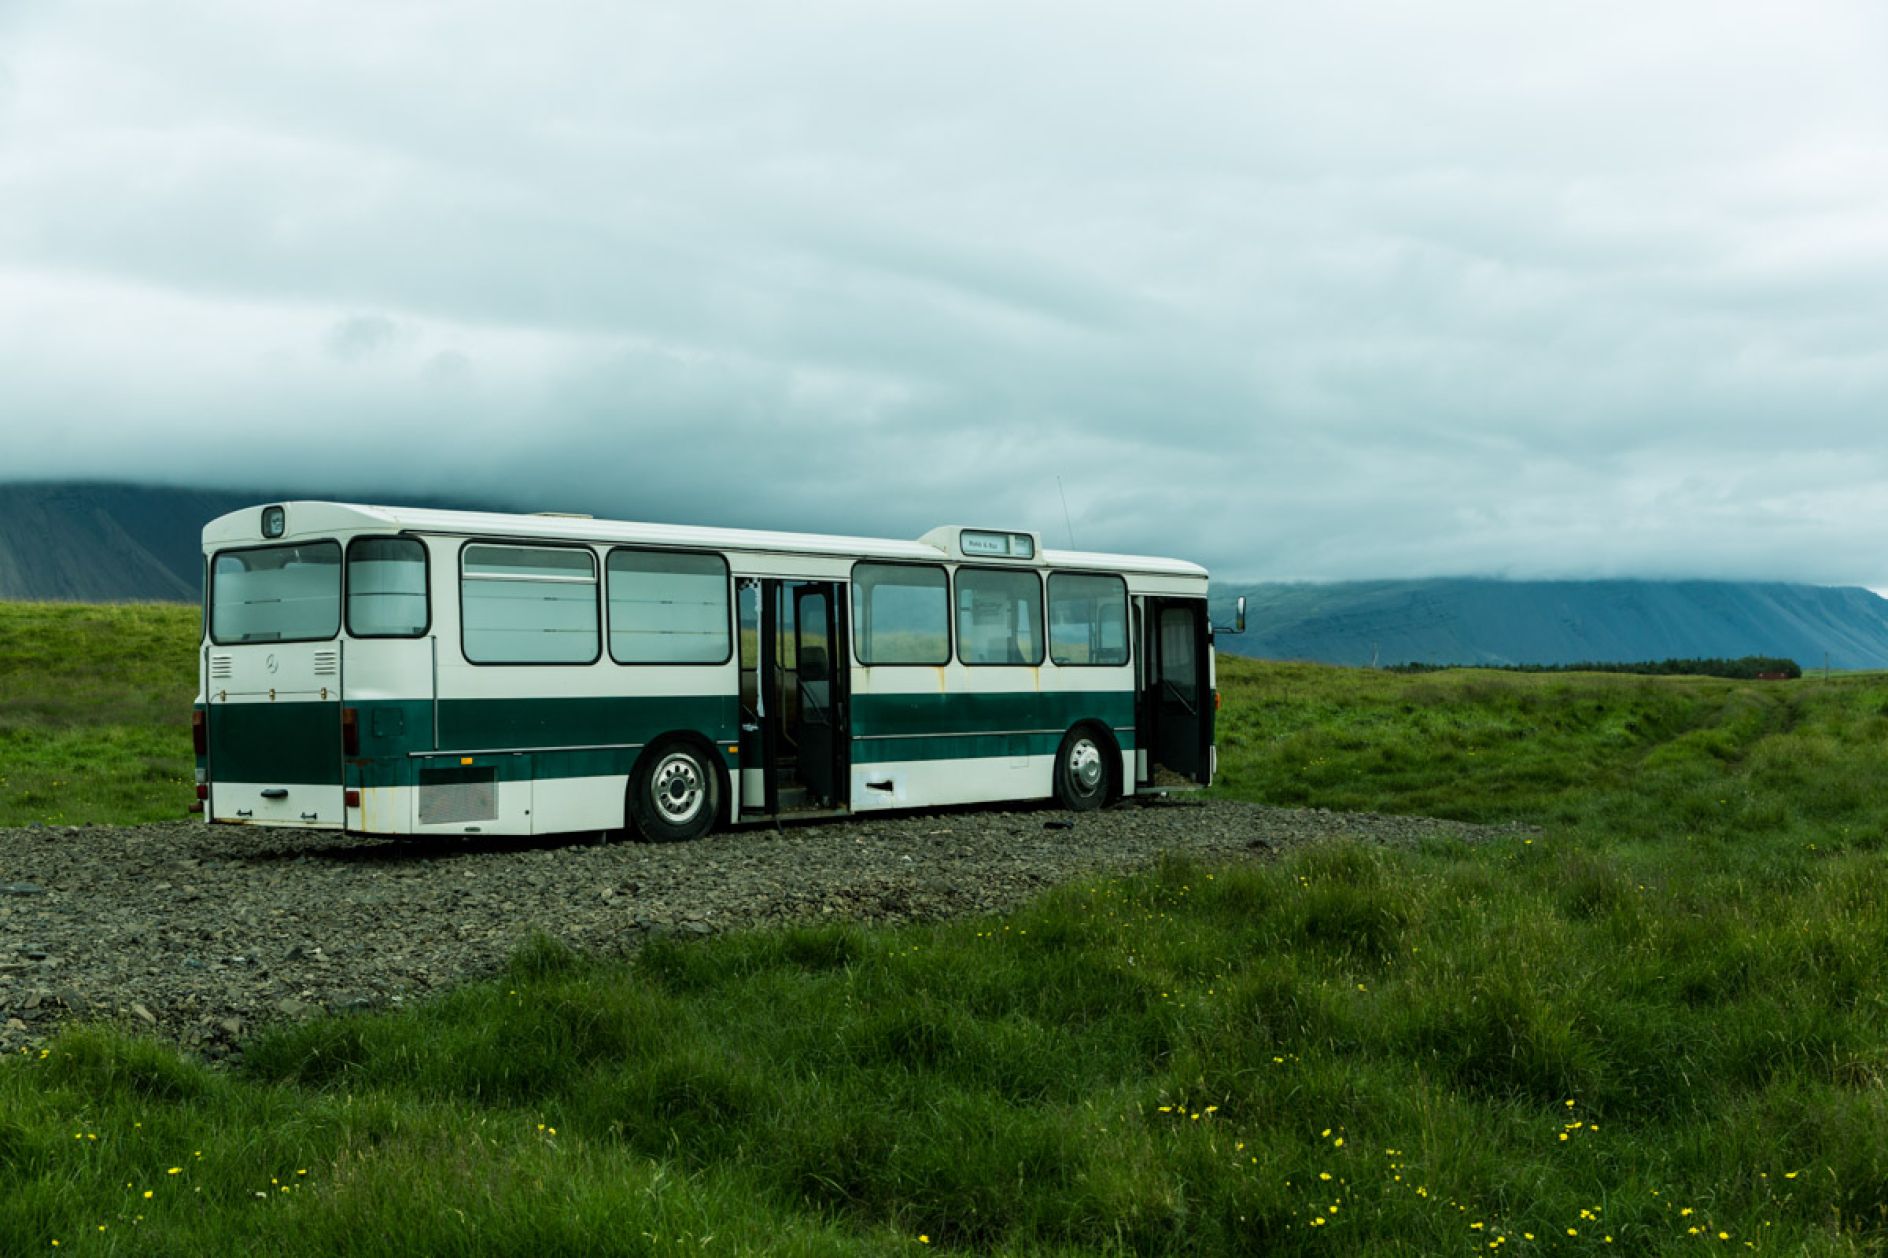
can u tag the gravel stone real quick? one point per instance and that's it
(201, 934)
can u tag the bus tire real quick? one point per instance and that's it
(1082, 779)
(675, 793)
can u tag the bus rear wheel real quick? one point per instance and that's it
(1081, 771)
(675, 794)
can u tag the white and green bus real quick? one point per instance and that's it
(416, 672)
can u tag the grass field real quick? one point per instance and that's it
(1657, 1026)
(95, 712)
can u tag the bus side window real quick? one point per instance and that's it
(901, 613)
(1088, 619)
(386, 588)
(999, 616)
(667, 607)
(528, 604)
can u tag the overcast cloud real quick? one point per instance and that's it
(1299, 291)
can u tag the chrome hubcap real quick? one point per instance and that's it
(1085, 765)
(679, 787)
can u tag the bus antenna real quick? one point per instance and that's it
(1067, 523)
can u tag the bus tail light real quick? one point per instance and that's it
(350, 732)
(203, 790)
(1216, 701)
(199, 732)
(352, 799)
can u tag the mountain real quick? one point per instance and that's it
(1484, 621)
(113, 542)
(100, 543)
(104, 543)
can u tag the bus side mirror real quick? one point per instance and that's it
(1239, 615)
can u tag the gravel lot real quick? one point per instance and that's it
(200, 933)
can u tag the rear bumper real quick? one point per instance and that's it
(293, 805)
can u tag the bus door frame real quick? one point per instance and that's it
(1176, 725)
(833, 763)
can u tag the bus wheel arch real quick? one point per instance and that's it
(677, 790)
(1087, 768)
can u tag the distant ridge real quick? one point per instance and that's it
(97, 542)
(1491, 622)
(102, 542)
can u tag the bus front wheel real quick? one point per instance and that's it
(1081, 771)
(675, 794)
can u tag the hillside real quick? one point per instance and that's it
(1469, 621)
(114, 543)
(100, 543)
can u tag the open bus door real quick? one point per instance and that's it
(794, 679)
(821, 678)
(1177, 692)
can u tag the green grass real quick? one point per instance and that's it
(1031, 1083)
(1612, 757)
(95, 712)
(1690, 952)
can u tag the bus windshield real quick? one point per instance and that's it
(276, 594)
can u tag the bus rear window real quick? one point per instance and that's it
(276, 594)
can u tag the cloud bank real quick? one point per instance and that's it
(1563, 289)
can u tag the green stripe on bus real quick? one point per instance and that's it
(892, 728)
(300, 743)
(528, 723)
(394, 727)
(1025, 711)
(535, 738)
(510, 766)
(287, 743)
(966, 747)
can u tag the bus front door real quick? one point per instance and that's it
(1178, 697)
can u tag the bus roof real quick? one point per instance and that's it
(307, 519)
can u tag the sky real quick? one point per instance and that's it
(1300, 292)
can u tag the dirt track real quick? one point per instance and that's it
(199, 933)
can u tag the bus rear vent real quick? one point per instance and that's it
(327, 663)
(456, 794)
(219, 666)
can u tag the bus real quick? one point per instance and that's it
(393, 671)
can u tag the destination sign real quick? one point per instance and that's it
(998, 545)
